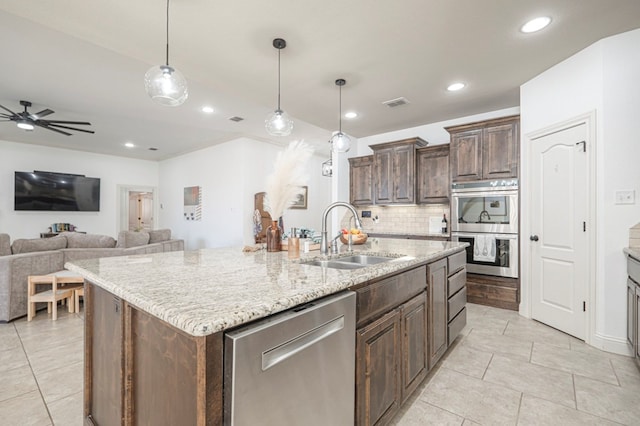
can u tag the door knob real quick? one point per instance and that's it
(533, 238)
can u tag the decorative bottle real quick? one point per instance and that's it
(444, 223)
(294, 245)
(274, 236)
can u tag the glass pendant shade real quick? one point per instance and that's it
(166, 85)
(340, 142)
(278, 123)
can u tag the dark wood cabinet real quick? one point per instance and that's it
(633, 307)
(413, 327)
(378, 360)
(433, 181)
(394, 171)
(500, 292)
(361, 180)
(485, 150)
(141, 370)
(437, 296)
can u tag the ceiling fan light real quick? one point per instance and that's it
(25, 125)
(166, 85)
(340, 142)
(278, 123)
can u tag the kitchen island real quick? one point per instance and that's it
(155, 323)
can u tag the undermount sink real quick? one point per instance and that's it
(349, 262)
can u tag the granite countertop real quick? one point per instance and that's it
(633, 252)
(209, 290)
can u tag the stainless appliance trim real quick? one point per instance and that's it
(510, 272)
(485, 227)
(286, 350)
(311, 375)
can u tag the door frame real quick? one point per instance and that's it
(122, 204)
(589, 120)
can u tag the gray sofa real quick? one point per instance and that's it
(46, 255)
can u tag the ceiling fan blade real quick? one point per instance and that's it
(50, 125)
(52, 129)
(41, 114)
(2, 114)
(8, 110)
(84, 123)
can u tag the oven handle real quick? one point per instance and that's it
(473, 234)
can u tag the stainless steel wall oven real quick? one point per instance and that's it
(485, 214)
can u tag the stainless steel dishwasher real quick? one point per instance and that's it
(295, 367)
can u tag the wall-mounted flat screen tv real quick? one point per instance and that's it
(56, 192)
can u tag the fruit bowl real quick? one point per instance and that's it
(355, 238)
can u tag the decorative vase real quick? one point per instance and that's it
(274, 235)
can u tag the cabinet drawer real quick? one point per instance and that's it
(456, 303)
(457, 261)
(456, 326)
(382, 296)
(456, 282)
(633, 269)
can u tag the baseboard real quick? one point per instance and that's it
(611, 344)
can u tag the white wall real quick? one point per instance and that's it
(601, 78)
(230, 174)
(111, 170)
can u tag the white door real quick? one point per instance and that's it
(559, 241)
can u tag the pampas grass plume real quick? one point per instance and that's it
(288, 178)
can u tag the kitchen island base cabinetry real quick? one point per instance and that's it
(633, 307)
(141, 370)
(499, 292)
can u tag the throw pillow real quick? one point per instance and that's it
(159, 235)
(128, 239)
(5, 245)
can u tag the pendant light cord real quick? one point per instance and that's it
(340, 111)
(167, 33)
(279, 79)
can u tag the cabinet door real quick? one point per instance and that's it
(404, 166)
(637, 325)
(500, 151)
(437, 296)
(631, 313)
(378, 388)
(433, 175)
(414, 343)
(104, 359)
(383, 171)
(466, 156)
(361, 180)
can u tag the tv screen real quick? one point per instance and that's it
(56, 192)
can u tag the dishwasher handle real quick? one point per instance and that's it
(288, 349)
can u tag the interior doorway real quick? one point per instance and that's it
(137, 207)
(140, 211)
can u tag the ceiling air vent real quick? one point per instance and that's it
(236, 118)
(396, 102)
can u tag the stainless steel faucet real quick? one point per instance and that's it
(324, 249)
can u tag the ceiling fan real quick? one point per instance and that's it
(28, 121)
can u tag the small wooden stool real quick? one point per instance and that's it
(63, 285)
(78, 292)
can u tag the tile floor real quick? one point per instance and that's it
(503, 369)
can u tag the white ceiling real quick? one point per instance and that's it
(86, 61)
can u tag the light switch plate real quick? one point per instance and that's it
(626, 197)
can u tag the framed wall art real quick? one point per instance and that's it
(301, 202)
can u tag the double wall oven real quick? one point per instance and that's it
(485, 215)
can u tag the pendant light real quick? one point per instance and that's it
(340, 142)
(164, 84)
(278, 122)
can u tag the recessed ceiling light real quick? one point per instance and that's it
(129, 145)
(207, 109)
(455, 87)
(350, 114)
(535, 24)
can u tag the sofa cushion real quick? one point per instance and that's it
(128, 239)
(38, 244)
(5, 245)
(79, 240)
(159, 235)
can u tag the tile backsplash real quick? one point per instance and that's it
(398, 219)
